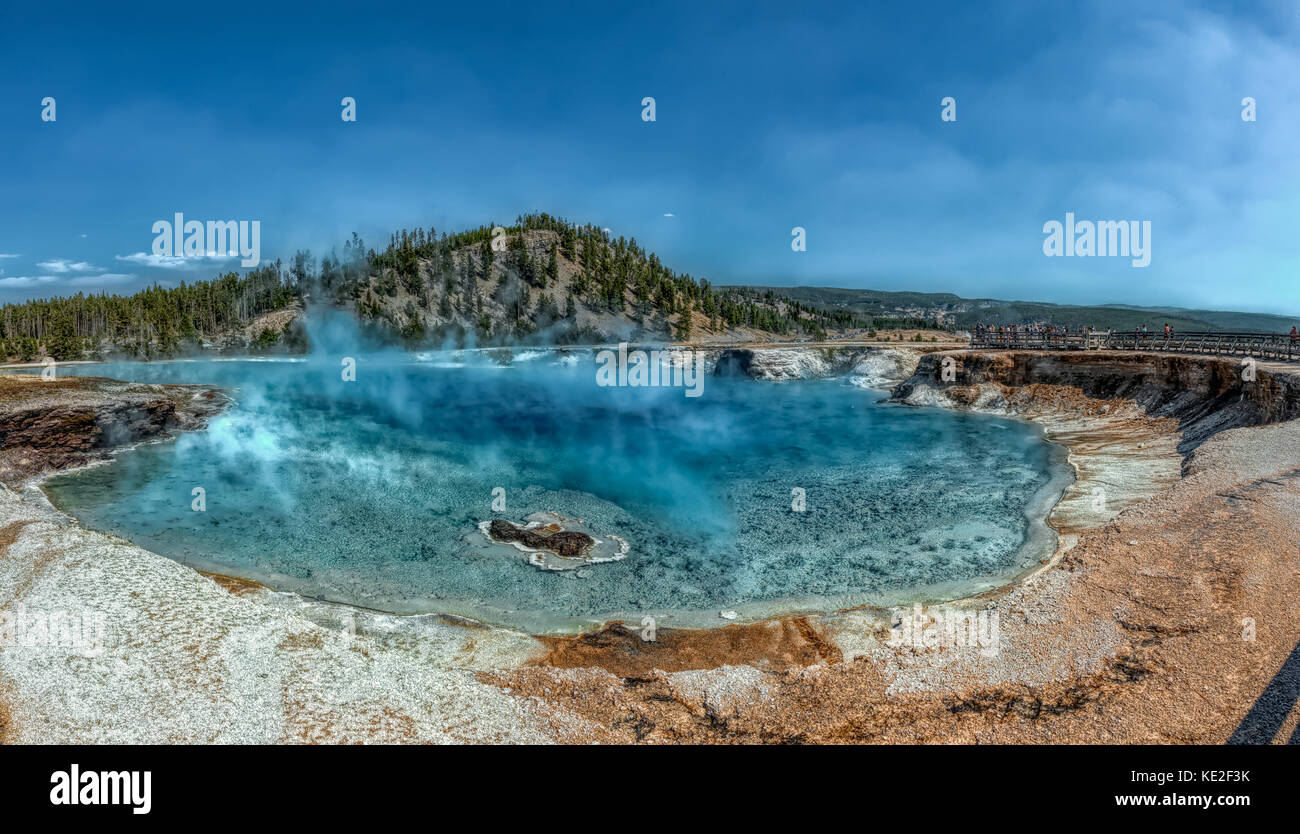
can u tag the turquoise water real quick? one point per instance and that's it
(370, 492)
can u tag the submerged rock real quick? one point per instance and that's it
(552, 538)
(554, 542)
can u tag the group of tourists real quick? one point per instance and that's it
(1022, 333)
(1030, 330)
(1048, 334)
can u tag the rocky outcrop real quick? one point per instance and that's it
(56, 424)
(1206, 395)
(868, 366)
(554, 542)
(571, 544)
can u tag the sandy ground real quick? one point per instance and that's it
(101, 641)
(1164, 618)
(1135, 631)
(183, 659)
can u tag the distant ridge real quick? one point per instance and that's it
(965, 312)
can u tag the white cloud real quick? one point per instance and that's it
(104, 279)
(173, 261)
(62, 266)
(101, 281)
(3, 255)
(27, 280)
(148, 259)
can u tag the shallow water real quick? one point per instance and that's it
(370, 492)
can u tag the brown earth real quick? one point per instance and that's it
(235, 585)
(275, 321)
(772, 644)
(48, 425)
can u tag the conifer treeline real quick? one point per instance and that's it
(156, 321)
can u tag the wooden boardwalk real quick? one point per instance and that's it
(1261, 345)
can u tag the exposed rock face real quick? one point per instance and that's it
(777, 364)
(60, 423)
(566, 543)
(868, 366)
(884, 367)
(1206, 395)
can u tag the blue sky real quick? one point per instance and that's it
(768, 117)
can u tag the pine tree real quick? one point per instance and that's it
(61, 341)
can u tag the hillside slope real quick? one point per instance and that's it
(544, 280)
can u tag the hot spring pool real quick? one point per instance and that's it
(370, 492)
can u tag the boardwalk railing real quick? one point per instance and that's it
(1261, 345)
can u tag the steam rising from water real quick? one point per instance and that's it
(371, 491)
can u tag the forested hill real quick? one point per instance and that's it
(539, 281)
(543, 280)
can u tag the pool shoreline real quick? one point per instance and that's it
(1105, 621)
(1041, 543)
